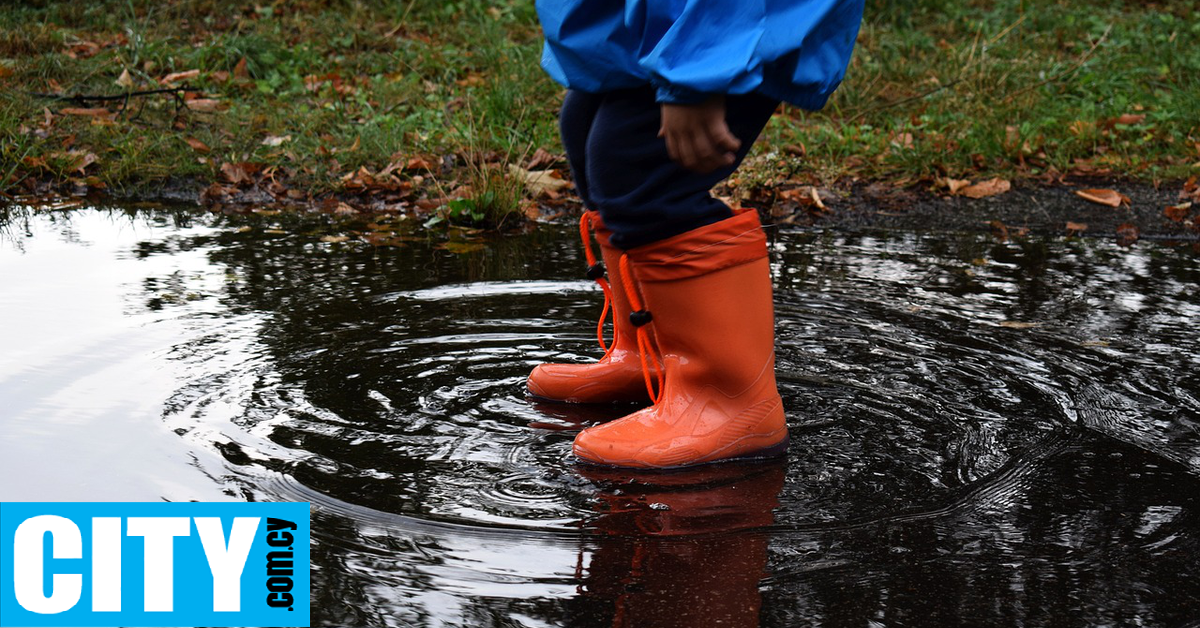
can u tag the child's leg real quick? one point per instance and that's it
(574, 124)
(697, 277)
(617, 376)
(642, 194)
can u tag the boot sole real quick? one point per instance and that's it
(777, 450)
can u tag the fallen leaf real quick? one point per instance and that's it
(983, 189)
(125, 80)
(952, 185)
(175, 77)
(345, 210)
(77, 160)
(1127, 234)
(95, 111)
(207, 105)
(276, 140)
(999, 230)
(1177, 213)
(1126, 119)
(1110, 198)
(542, 158)
(540, 181)
(461, 247)
(334, 239)
(1019, 324)
(239, 71)
(418, 163)
(197, 144)
(1077, 227)
(238, 173)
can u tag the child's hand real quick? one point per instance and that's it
(697, 135)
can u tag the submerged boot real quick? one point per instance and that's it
(708, 295)
(618, 375)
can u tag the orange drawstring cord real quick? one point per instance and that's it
(640, 318)
(596, 273)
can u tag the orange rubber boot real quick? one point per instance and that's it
(618, 375)
(708, 295)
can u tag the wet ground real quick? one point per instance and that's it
(983, 433)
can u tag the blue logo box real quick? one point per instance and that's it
(154, 564)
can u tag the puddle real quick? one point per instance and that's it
(983, 433)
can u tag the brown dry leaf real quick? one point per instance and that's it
(276, 140)
(93, 111)
(1126, 119)
(1110, 198)
(461, 247)
(125, 80)
(238, 173)
(207, 105)
(1177, 213)
(983, 189)
(345, 210)
(176, 77)
(542, 158)
(1127, 234)
(419, 163)
(952, 185)
(540, 182)
(197, 145)
(5, 71)
(999, 230)
(1019, 324)
(334, 239)
(1076, 227)
(239, 71)
(77, 160)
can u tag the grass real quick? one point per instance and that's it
(317, 89)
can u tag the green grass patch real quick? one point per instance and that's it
(317, 89)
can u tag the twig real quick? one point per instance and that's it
(1078, 64)
(83, 99)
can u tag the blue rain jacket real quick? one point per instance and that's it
(791, 50)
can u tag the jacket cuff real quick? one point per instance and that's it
(675, 95)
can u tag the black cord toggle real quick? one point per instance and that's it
(640, 317)
(595, 271)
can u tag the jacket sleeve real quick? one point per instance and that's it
(691, 49)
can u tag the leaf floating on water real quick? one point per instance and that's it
(1076, 227)
(1019, 324)
(334, 239)
(983, 189)
(461, 247)
(1127, 234)
(274, 231)
(1109, 198)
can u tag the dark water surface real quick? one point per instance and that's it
(983, 433)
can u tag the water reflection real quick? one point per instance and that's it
(686, 548)
(983, 433)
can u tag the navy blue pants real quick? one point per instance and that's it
(622, 169)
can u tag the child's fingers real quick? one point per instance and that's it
(723, 137)
(685, 151)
